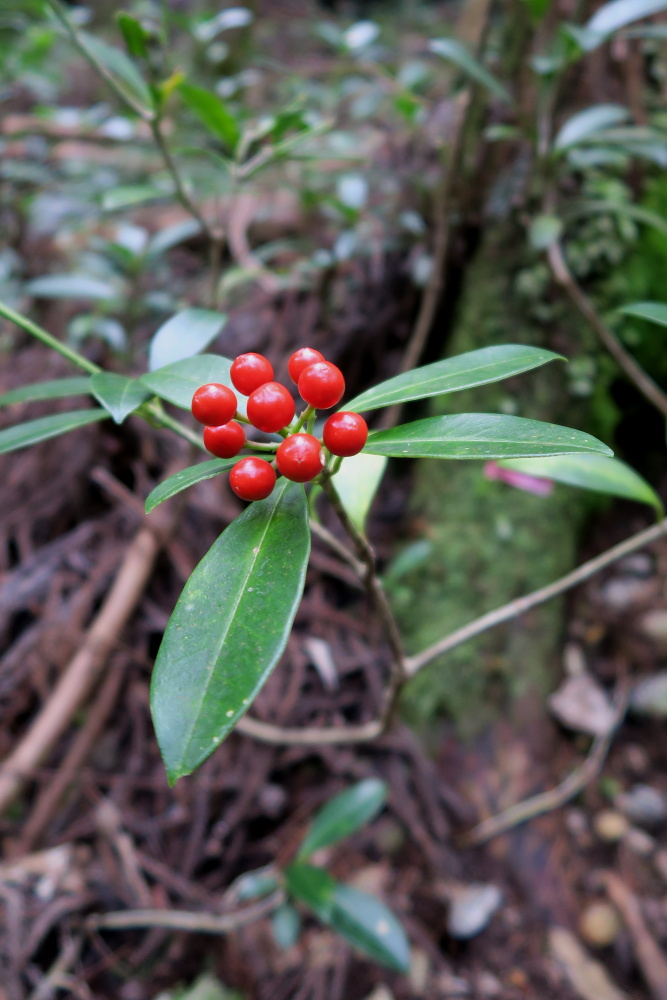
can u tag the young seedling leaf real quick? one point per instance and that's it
(654, 312)
(184, 335)
(134, 36)
(177, 382)
(312, 886)
(370, 927)
(490, 364)
(118, 394)
(58, 388)
(212, 112)
(71, 286)
(587, 123)
(457, 53)
(285, 924)
(23, 435)
(186, 477)
(618, 13)
(357, 482)
(229, 628)
(344, 814)
(255, 884)
(591, 472)
(480, 435)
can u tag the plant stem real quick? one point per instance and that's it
(184, 920)
(46, 338)
(306, 415)
(180, 190)
(153, 411)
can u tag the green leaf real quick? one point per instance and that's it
(171, 236)
(256, 883)
(654, 312)
(357, 482)
(370, 927)
(312, 886)
(344, 814)
(177, 382)
(70, 286)
(58, 388)
(186, 477)
(619, 13)
(286, 925)
(134, 35)
(13, 438)
(118, 394)
(636, 212)
(185, 334)
(544, 230)
(212, 112)
(480, 435)
(586, 123)
(125, 73)
(454, 52)
(131, 194)
(490, 364)
(229, 628)
(591, 472)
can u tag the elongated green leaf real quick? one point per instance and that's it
(591, 472)
(171, 236)
(618, 13)
(480, 435)
(357, 482)
(229, 628)
(187, 477)
(654, 312)
(370, 927)
(587, 123)
(457, 53)
(177, 383)
(344, 814)
(185, 334)
(490, 364)
(131, 194)
(125, 73)
(212, 112)
(13, 438)
(118, 394)
(286, 925)
(312, 886)
(599, 207)
(58, 388)
(133, 34)
(70, 286)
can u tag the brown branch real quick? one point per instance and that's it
(522, 604)
(650, 958)
(564, 277)
(85, 668)
(556, 797)
(186, 920)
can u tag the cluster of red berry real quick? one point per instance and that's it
(300, 457)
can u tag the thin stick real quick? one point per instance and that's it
(520, 605)
(650, 957)
(556, 797)
(186, 920)
(582, 303)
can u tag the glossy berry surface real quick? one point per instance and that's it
(300, 360)
(249, 371)
(345, 433)
(252, 478)
(213, 404)
(300, 458)
(321, 384)
(270, 407)
(224, 441)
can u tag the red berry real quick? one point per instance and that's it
(321, 384)
(270, 407)
(300, 360)
(249, 371)
(224, 441)
(252, 478)
(213, 404)
(300, 458)
(345, 433)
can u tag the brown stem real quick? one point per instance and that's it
(564, 277)
(185, 920)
